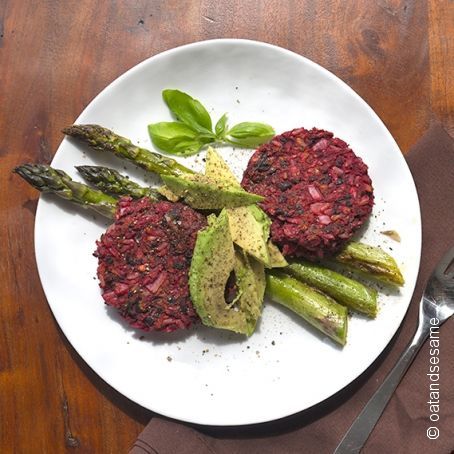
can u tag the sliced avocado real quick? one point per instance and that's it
(262, 218)
(277, 260)
(250, 226)
(250, 280)
(217, 169)
(212, 264)
(259, 275)
(203, 193)
(211, 219)
(247, 233)
(168, 194)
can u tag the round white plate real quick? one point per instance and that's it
(204, 375)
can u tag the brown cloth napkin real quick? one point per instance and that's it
(404, 424)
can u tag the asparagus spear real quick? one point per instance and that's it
(346, 291)
(319, 310)
(102, 139)
(377, 263)
(372, 261)
(46, 179)
(114, 183)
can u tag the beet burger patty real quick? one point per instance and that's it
(144, 260)
(317, 191)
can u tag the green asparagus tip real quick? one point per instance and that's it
(92, 173)
(114, 183)
(104, 140)
(372, 261)
(81, 130)
(55, 181)
(41, 176)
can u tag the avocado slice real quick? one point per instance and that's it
(167, 193)
(250, 279)
(204, 193)
(247, 232)
(217, 169)
(249, 225)
(277, 260)
(212, 264)
(259, 275)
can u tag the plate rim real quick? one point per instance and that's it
(225, 41)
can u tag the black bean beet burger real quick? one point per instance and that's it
(144, 260)
(318, 192)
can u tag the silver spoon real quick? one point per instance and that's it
(436, 306)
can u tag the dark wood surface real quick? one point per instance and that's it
(55, 56)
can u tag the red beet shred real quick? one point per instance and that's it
(144, 260)
(318, 192)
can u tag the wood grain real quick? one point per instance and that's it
(56, 56)
(441, 44)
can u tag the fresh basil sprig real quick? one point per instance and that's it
(194, 129)
(249, 135)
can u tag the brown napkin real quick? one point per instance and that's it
(404, 424)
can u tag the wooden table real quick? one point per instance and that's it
(55, 56)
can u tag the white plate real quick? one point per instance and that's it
(207, 376)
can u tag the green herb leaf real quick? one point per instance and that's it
(194, 129)
(187, 147)
(221, 126)
(188, 110)
(249, 134)
(176, 138)
(249, 129)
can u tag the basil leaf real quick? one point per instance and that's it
(221, 126)
(206, 138)
(249, 134)
(171, 130)
(194, 129)
(187, 147)
(188, 110)
(174, 137)
(248, 129)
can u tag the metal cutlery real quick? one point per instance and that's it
(436, 306)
